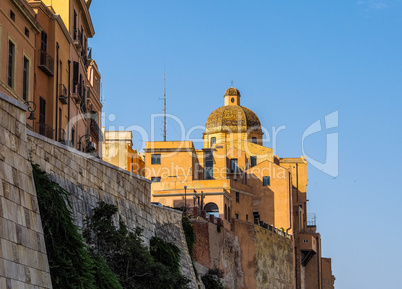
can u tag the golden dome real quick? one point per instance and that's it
(232, 118)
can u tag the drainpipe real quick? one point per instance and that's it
(290, 205)
(318, 262)
(69, 97)
(57, 89)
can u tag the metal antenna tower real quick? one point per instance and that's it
(164, 107)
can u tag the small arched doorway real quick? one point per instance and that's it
(212, 209)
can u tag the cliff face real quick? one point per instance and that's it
(23, 254)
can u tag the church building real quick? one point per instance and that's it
(237, 180)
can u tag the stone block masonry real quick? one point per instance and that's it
(23, 259)
(90, 180)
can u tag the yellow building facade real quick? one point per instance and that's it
(45, 60)
(234, 170)
(237, 179)
(117, 150)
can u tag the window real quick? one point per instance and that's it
(43, 48)
(11, 60)
(266, 181)
(209, 170)
(42, 115)
(80, 87)
(213, 141)
(26, 32)
(72, 136)
(61, 138)
(254, 139)
(253, 161)
(43, 41)
(233, 166)
(246, 217)
(12, 15)
(236, 216)
(156, 179)
(237, 197)
(75, 26)
(75, 76)
(256, 216)
(155, 159)
(209, 165)
(305, 241)
(25, 79)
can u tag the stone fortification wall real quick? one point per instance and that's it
(90, 180)
(23, 259)
(218, 251)
(249, 257)
(168, 227)
(274, 260)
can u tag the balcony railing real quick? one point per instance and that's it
(96, 131)
(78, 39)
(83, 103)
(44, 130)
(62, 136)
(77, 93)
(63, 94)
(311, 220)
(46, 63)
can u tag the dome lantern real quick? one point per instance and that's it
(232, 96)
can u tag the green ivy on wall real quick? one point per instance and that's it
(72, 265)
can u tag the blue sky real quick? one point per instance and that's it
(294, 63)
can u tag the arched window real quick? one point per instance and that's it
(212, 209)
(254, 139)
(213, 141)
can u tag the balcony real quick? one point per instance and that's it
(96, 131)
(46, 63)
(62, 93)
(62, 136)
(308, 243)
(44, 130)
(78, 40)
(77, 93)
(83, 103)
(308, 247)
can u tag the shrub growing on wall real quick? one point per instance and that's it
(71, 264)
(189, 233)
(135, 266)
(211, 282)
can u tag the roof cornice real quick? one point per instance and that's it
(29, 14)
